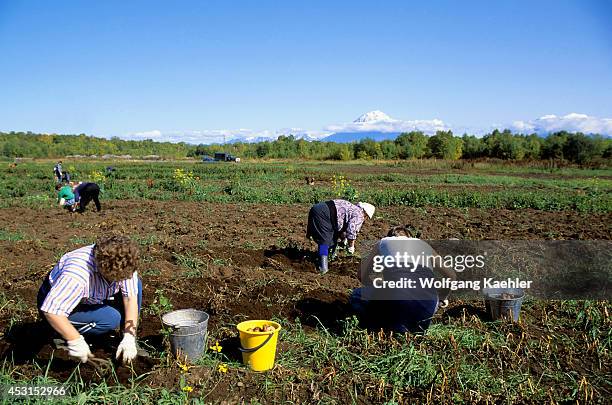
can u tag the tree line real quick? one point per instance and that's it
(573, 147)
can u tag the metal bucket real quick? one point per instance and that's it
(503, 302)
(189, 330)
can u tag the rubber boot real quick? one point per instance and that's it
(323, 265)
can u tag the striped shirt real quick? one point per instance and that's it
(350, 218)
(75, 280)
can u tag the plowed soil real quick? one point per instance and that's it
(235, 261)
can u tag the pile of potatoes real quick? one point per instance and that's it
(266, 328)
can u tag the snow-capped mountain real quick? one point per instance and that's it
(374, 116)
(374, 124)
(379, 126)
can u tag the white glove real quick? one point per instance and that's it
(78, 348)
(127, 347)
(351, 249)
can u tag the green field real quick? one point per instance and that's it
(413, 184)
(219, 237)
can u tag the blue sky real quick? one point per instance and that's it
(179, 70)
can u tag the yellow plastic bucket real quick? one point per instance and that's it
(258, 348)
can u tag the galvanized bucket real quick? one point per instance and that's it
(503, 302)
(189, 329)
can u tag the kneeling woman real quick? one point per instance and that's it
(91, 291)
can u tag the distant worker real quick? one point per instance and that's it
(408, 309)
(57, 170)
(65, 196)
(92, 291)
(331, 220)
(84, 193)
(60, 173)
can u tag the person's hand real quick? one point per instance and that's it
(127, 348)
(79, 349)
(351, 249)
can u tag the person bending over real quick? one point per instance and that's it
(330, 220)
(65, 196)
(405, 309)
(84, 193)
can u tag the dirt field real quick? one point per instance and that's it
(235, 261)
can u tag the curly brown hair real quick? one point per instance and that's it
(404, 230)
(116, 257)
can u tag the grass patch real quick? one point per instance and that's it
(194, 266)
(462, 361)
(11, 236)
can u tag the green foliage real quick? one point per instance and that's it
(504, 145)
(27, 144)
(576, 148)
(444, 145)
(343, 189)
(11, 236)
(580, 148)
(412, 145)
(553, 145)
(187, 182)
(413, 183)
(344, 152)
(161, 304)
(473, 147)
(193, 265)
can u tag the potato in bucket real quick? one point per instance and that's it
(258, 339)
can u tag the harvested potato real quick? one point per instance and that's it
(266, 328)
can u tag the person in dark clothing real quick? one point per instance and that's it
(330, 220)
(57, 171)
(84, 193)
(408, 309)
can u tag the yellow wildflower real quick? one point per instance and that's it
(216, 348)
(187, 388)
(183, 366)
(222, 368)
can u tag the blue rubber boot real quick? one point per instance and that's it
(323, 264)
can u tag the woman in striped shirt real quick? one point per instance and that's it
(78, 298)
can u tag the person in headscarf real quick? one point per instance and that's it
(328, 221)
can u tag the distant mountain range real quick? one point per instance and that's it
(375, 125)
(339, 137)
(347, 137)
(379, 126)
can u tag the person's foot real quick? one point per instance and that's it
(323, 265)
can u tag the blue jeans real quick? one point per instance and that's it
(98, 319)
